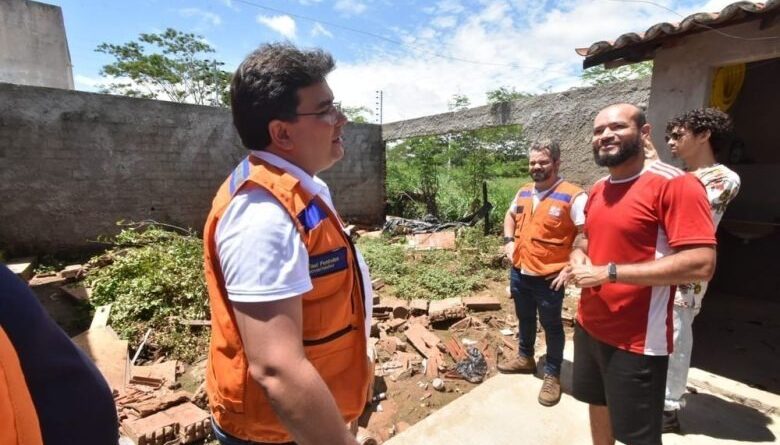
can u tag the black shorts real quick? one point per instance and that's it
(631, 385)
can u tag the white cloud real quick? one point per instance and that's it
(86, 83)
(319, 30)
(350, 7)
(283, 24)
(308, 2)
(510, 50)
(206, 16)
(444, 21)
(229, 4)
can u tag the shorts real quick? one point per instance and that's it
(631, 385)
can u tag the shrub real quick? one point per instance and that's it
(155, 280)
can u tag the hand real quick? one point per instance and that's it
(509, 250)
(588, 275)
(562, 279)
(578, 258)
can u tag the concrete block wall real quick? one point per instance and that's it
(566, 116)
(358, 181)
(72, 164)
(33, 45)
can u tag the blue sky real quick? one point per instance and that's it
(421, 54)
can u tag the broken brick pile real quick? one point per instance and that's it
(151, 408)
(397, 320)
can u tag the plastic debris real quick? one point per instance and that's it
(474, 367)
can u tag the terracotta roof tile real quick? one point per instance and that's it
(636, 47)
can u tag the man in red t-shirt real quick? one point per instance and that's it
(647, 229)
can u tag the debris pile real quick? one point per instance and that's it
(151, 407)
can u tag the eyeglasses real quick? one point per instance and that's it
(676, 135)
(330, 114)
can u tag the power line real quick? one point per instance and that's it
(398, 42)
(725, 34)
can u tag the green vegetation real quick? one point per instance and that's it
(153, 278)
(599, 75)
(168, 65)
(442, 175)
(435, 274)
(505, 94)
(359, 115)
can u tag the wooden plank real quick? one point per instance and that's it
(109, 354)
(100, 319)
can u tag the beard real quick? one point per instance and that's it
(541, 176)
(627, 150)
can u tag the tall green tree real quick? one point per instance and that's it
(171, 65)
(598, 75)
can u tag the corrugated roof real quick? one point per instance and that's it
(636, 47)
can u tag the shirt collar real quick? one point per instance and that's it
(311, 184)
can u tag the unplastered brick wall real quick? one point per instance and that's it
(566, 116)
(72, 164)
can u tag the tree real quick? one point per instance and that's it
(358, 115)
(505, 94)
(177, 70)
(458, 102)
(598, 75)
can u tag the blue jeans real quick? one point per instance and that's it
(226, 439)
(532, 294)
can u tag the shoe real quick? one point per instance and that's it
(550, 393)
(518, 365)
(671, 423)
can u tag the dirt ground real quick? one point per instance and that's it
(407, 399)
(411, 399)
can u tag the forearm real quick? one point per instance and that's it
(692, 264)
(579, 252)
(680, 268)
(304, 404)
(509, 224)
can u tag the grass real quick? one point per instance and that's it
(435, 274)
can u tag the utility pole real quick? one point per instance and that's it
(216, 84)
(378, 110)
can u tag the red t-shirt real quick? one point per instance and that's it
(637, 220)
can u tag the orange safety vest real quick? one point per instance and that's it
(333, 311)
(543, 238)
(18, 417)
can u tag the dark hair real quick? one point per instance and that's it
(639, 117)
(265, 87)
(550, 146)
(702, 119)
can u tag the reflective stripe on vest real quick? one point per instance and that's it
(544, 236)
(333, 311)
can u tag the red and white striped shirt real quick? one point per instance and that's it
(637, 220)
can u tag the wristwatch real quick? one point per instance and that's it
(612, 272)
(509, 239)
